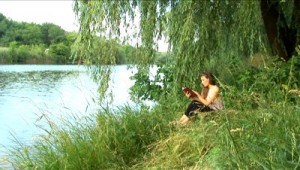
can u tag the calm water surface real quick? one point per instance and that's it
(30, 92)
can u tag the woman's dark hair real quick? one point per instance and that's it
(212, 81)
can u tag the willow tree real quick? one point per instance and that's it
(202, 34)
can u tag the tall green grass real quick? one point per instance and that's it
(4, 54)
(110, 140)
(258, 139)
(264, 138)
(257, 130)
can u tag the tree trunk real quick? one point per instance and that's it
(282, 39)
(296, 15)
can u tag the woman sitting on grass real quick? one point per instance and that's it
(209, 100)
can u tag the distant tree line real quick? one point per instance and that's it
(30, 43)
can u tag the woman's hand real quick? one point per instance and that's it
(187, 94)
(197, 97)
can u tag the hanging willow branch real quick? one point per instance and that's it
(214, 34)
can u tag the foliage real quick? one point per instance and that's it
(151, 85)
(127, 54)
(143, 139)
(46, 37)
(4, 54)
(198, 41)
(27, 42)
(52, 34)
(29, 33)
(112, 141)
(38, 54)
(257, 130)
(231, 140)
(261, 86)
(154, 83)
(240, 137)
(203, 35)
(60, 52)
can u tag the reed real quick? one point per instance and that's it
(111, 141)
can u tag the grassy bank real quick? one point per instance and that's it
(257, 139)
(257, 130)
(31, 54)
(263, 138)
(105, 141)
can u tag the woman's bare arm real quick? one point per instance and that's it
(214, 92)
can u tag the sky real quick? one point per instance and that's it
(58, 12)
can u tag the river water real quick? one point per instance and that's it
(30, 92)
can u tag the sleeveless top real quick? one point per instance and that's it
(217, 104)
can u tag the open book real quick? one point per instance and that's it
(188, 90)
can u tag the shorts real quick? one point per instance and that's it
(196, 106)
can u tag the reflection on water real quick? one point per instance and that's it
(34, 80)
(27, 92)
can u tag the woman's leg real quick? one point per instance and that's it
(189, 112)
(184, 120)
(193, 106)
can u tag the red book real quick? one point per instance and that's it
(188, 90)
